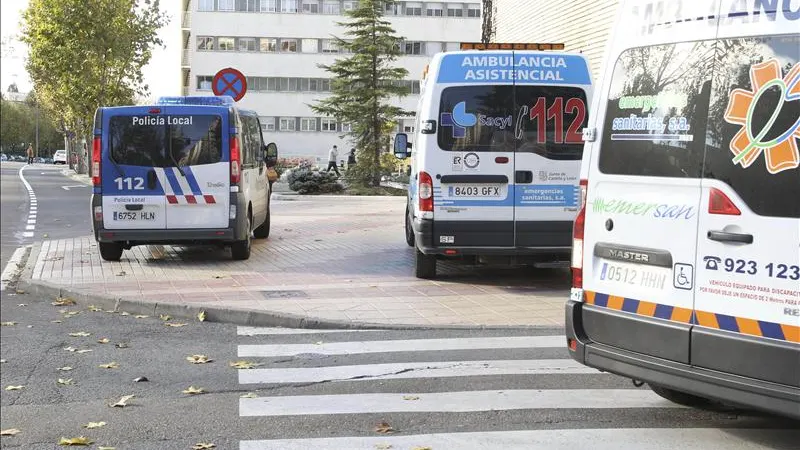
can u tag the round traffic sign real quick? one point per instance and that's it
(229, 82)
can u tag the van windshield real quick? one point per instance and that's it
(163, 141)
(546, 120)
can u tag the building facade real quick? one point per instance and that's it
(279, 44)
(582, 25)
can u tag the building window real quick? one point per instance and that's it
(329, 46)
(328, 124)
(227, 5)
(272, 84)
(346, 127)
(267, 123)
(413, 9)
(308, 124)
(473, 10)
(269, 5)
(287, 124)
(324, 85)
(289, 45)
(247, 44)
(289, 6)
(204, 82)
(311, 6)
(455, 10)
(452, 46)
(415, 87)
(412, 48)
(309, 46)
(205, 5)
(226, 44)
(350, 5)
(394, 9)
(331, 7)
(268, 45)
(247, 5)
(205, 43)
(408, 128)
(434, 10)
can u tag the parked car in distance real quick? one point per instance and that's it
(60, 157)
(3, 157)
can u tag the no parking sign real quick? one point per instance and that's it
(230, 82)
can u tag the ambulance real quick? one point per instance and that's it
(496, 155)
(686, 250)
(187, 170)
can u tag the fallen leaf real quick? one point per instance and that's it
(383, 446)
(248, 395)
(70, 349)
(243, 364)
(121, 345)
(175, 324)
(80, 334)
(8, 324)
(106, 448)
(141, 316)
(91, 425)
(63, 301)
(72, 313)
(201, 316)
(384, 428)
(122, 402)
(198, 359)
(75, 441)
(86, 350)
(194, 390)
(103, 341)
(22, 305)
(10, 432)
(94, 308)
(65, 381)
(140, 379)
(55, 321)
(64, 369)
(111, 365)
(410, 397)
(165, 317)
(123, 313)
(203, 446)
(421, 448)
(2, 361)
(121, 274)
(14, 388)
(19, 291)
(110, 311)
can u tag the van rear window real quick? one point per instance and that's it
(546, 120)
(148, 141)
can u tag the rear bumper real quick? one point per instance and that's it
(725, 387)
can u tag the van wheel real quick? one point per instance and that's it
(409, 230)
(678, 397)
(240, 250)
(262, 232)
(424, 265)
(110, 251)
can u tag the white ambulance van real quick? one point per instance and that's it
(686, 252)
(497, 154)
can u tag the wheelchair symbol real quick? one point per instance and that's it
(682, 276)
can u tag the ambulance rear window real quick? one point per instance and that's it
(164, 141)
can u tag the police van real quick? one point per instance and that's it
(187, 170)
(686, 252)
(497, 154)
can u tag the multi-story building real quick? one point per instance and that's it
(279, 44)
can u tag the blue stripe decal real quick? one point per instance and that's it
(727, 322)
(176, 187)
(771, 330)
(192, 181)
(663, 312)
(601, 300)
(630, 305)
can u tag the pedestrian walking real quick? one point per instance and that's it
(30, 154)
(332, 155)
(351, 159)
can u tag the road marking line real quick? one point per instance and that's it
(12, 268)
(413, 345)
(30, 227)
(569, 439)
(464, 401)
(395, 371)
(258, 331)
(27, 234)
(32, 221)
(32, 207)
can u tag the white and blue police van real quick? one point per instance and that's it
(686, 264)
(187, 170)
(496, 155)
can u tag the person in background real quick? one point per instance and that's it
(30, 154)
(332, 155)
(351, 158)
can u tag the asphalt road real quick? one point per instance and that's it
(509, 389)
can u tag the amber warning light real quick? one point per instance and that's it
(509, 46)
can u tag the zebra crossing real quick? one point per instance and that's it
(459, 389)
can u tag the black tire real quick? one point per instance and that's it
(262, 232)
(424, 265)
(681, 398)
(240, 250)
(110, 251)
(409, 230)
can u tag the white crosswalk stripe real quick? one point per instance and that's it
(347, 375)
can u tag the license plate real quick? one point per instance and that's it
(634, 275)
(477, 190)
(130, 216)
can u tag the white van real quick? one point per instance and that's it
(497, 155)
(686, 262)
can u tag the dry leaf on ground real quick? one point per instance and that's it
(94, 308)
(85, 350)
(198, 359)
(10, 432)
(8, 324)
(384, 428)
(203, 446)
(383, 446)
(141, 316)
(65, 381)
(111, 365)
(124, 313)
(75, 441)
(194, 390)
(14, 388)
(55, 321)
(64, 369)
(122, 402)
(165, 317)
(91, 425)
(175, 324)
(243, 364)
(106, 448)
(421, 448)
(71, 313)
(80, 334)
(63, 301)
(103, 341)
(19, 291)
(201, 316)
(70, 348)
(248, 395)
(410, 397)
(121, 345)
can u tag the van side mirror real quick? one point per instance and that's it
(271, 154)
(401, 146)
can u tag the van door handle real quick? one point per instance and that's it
(724, 236)
(523, 177)
(151, 179)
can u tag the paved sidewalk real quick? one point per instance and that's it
(337, 260)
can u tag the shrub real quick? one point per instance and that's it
(306, 180)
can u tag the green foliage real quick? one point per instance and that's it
(363, 85)
(18, 128)
(87, 54)
(307, 180)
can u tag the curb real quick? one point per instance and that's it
(246, 317)
(81, 178)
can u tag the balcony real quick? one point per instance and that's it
(186, 20)
(185, 58)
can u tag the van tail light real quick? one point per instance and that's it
(425, 192)
(577, 239)
(97, 148)
(719, 203)
(236, 161)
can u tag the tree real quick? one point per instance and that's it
(83, 55)
(18, 128)
(363, 85)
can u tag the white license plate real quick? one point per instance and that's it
(133, 216)
(634, 275)
(475, 190)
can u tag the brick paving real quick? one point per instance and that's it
(326, 258)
